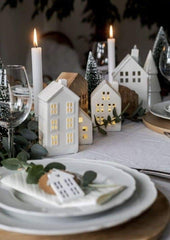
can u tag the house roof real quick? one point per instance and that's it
(150, 66)
(100, 87)
(124, 62)
(52, 89)
(71, 77)
(84, 113)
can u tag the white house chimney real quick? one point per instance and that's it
(63, 82)
(135, 53)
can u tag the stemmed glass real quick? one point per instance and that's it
(99, 51)
(15, 100)
(164, 62)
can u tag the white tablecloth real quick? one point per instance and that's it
(135, 146)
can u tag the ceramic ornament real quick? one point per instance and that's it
(130, 74)
(77, 84)
(103, 99)
(153, 82)
(85, 128)
(58, 118)
(64, 185)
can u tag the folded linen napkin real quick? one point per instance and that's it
(17, 181)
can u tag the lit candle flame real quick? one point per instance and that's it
(35, 42)
(111, 31)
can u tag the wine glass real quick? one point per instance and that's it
(164, 62)
(99, 51)
(15, 100)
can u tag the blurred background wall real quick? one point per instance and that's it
(16, 27)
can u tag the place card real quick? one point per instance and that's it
(64, 186)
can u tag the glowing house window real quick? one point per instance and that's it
(108, 95)
(69, 138)
(53, 109)
(54, 140)
(85, 128)
(54, 124)
(113, 121)
(69, 123)
(80, 119)
(85, 136)
(69, 107)
(102, 120)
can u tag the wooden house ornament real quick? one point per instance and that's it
(85, 128)
(130, 74)
(103, 99)
(58, 118)
(64, 185)
(78, 85)
(153, 82)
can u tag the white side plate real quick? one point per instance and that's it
(158, 110)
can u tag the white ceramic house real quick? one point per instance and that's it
(130, 74)
(85, 128)
(58, 118)
(153, 82)
(103, 99)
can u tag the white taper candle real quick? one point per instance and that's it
(37, 76)
(111, 54)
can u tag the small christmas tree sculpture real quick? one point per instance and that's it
(92, 75)
(160, 42)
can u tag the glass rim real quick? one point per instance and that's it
(15, 66)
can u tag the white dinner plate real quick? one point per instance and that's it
(18, 202)
(158, 110)
(141, 200)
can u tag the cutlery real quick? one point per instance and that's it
(156, 173)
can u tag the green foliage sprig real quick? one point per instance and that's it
(26, 144)
(110, 120)
(135, 116)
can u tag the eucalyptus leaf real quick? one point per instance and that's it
(88, 178)
(56, 165)
(11, 163)
(21, 140)
(38, 150)
(102, 131)
(34, 174)
(2, 156)
(22, 156)
(28, 134)
(33, 125)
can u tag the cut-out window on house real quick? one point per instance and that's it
(69, 107)
(103, 97)
(54, 140)
(109, 109)
(126, 73)
(80, 119)
(85, 128)
(113, 121)
(121, 73)
(139, 73)
(97, 105)
(121, 80)
(139, 80)
(126, 80)
(85, 136)
(69, 123)
(97, 109)
(133, 73)
(69, 138)
(53, 109)
(103, 93)
(114, 105)
(134, 80)
(102, 120)
(54, 124)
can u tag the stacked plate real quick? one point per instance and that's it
(161, 110)
(24, 214)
